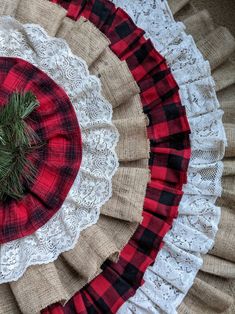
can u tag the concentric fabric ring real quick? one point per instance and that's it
(120, 216)
(193, 232)
(81, 207)
(217, 150)
(161, 103)
(57, 161)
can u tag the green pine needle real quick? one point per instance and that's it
(17, 139)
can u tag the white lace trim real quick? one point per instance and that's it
(92, 187)
(193, 232)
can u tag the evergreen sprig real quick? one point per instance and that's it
(17, 139)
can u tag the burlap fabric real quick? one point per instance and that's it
(58, 281)
(176, 6)
(214, 287)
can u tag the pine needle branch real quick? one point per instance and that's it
(17, 139)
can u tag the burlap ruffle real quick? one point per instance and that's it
(214, 287)
(58, 281)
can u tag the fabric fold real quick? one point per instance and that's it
(123, 195)
(218, 266)
(9, 7)
(8, 303)
(176, 6)
(217, 46)
(129, 109)
(224, 77)
(132, 144)
(214, 295)
(39, 13)
(115, 90)
(31, 285)
(83, 39)
(199, 25)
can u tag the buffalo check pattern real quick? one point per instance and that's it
(58, 157)
(168, 131)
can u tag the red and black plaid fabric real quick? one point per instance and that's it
(57, 161)
(168, 132)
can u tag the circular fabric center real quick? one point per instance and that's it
(92, 186)
(57, 161)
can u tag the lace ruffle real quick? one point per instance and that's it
(193, 232)
(92, 187)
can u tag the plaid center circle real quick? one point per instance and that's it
(57, 161)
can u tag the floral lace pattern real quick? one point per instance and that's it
(93, 185)
(193, 232)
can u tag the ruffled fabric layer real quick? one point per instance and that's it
(168, 132)
(122, 213)
(193, 233)
(202, 92)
